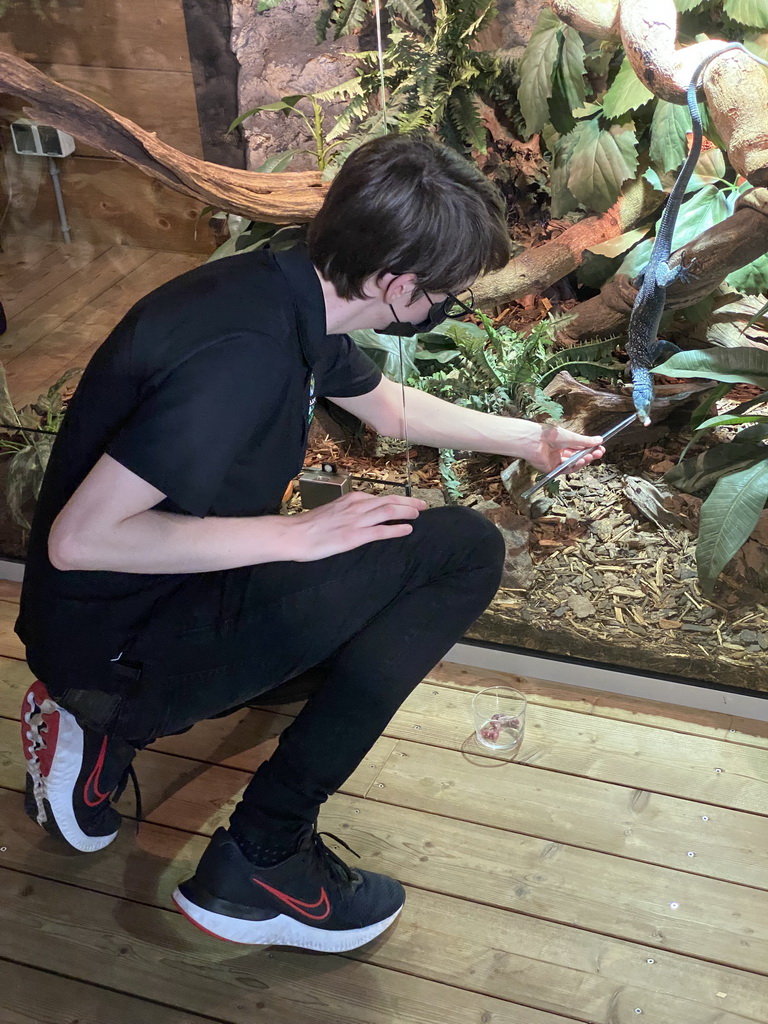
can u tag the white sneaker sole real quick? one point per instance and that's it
(279, 931)
(58, 785)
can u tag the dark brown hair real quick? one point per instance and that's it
(408, 204)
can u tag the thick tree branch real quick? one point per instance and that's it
(537, 269)
(286, 198)
(718, 252)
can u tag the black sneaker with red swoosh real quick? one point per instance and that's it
(72, 773)
(311, 900)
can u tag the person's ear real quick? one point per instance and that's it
(399, 287)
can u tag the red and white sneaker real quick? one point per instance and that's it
(71, 773)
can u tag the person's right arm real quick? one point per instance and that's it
(109, 523)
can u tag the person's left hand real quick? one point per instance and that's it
(550, 445)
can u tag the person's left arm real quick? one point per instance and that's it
(440, 424)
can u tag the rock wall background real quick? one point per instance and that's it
(279, 55)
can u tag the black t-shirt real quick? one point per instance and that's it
(203, 390)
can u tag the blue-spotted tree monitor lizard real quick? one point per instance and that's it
(643, 345)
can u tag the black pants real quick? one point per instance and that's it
(376, 619)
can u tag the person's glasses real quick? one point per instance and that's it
(453, 307)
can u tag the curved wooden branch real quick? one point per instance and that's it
(285, 198)
(596, 18)
(649, 35)
(540, 267)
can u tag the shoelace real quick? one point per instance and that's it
(338, 869)
(130, 773)
(36, 742)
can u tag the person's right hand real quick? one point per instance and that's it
(349, 522)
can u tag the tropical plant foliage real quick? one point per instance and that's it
(502, 371)
(433, 74)
(599, 123)
(321, 148)
(491, 369)
(734, 474)
(32, 431)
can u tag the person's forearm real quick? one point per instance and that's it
(163, 542)
(439, 424)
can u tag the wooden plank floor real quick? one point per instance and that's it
(618, 870)
(62, 301)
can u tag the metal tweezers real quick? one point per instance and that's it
(575, 458)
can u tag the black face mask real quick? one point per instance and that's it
(437, 315)
(450, 308)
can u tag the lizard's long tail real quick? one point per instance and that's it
(642, 393)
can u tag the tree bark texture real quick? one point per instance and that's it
(538, 268)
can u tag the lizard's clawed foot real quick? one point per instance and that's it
(687, 269)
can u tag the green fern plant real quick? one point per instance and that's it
(452, 487)
(504, 372)
(433, 75)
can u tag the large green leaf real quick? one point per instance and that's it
(563, 200)
(748, 12)
(759, 432)
(728, 517)
(626, 93)
(702, 410)
(703, 472)
(602, 161)
(536, 67)
(737, 365)
(724, 420)
(572, 67)
(457, 331)
(669, 129)
(225, 249)
(688, 5)
(757, 42)
(287, 104)
(619, 243)
(559, 106)
(752, 279)
(267, 5)
(709, 170)
(385, 350)
(277, 162)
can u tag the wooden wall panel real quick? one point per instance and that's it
(148, 34)
(105, 200)
(133, 57)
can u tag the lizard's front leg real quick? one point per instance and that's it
(663, 350)
(684, 271)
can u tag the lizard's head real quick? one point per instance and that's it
(643, 407)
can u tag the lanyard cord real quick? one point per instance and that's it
(380, 49)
